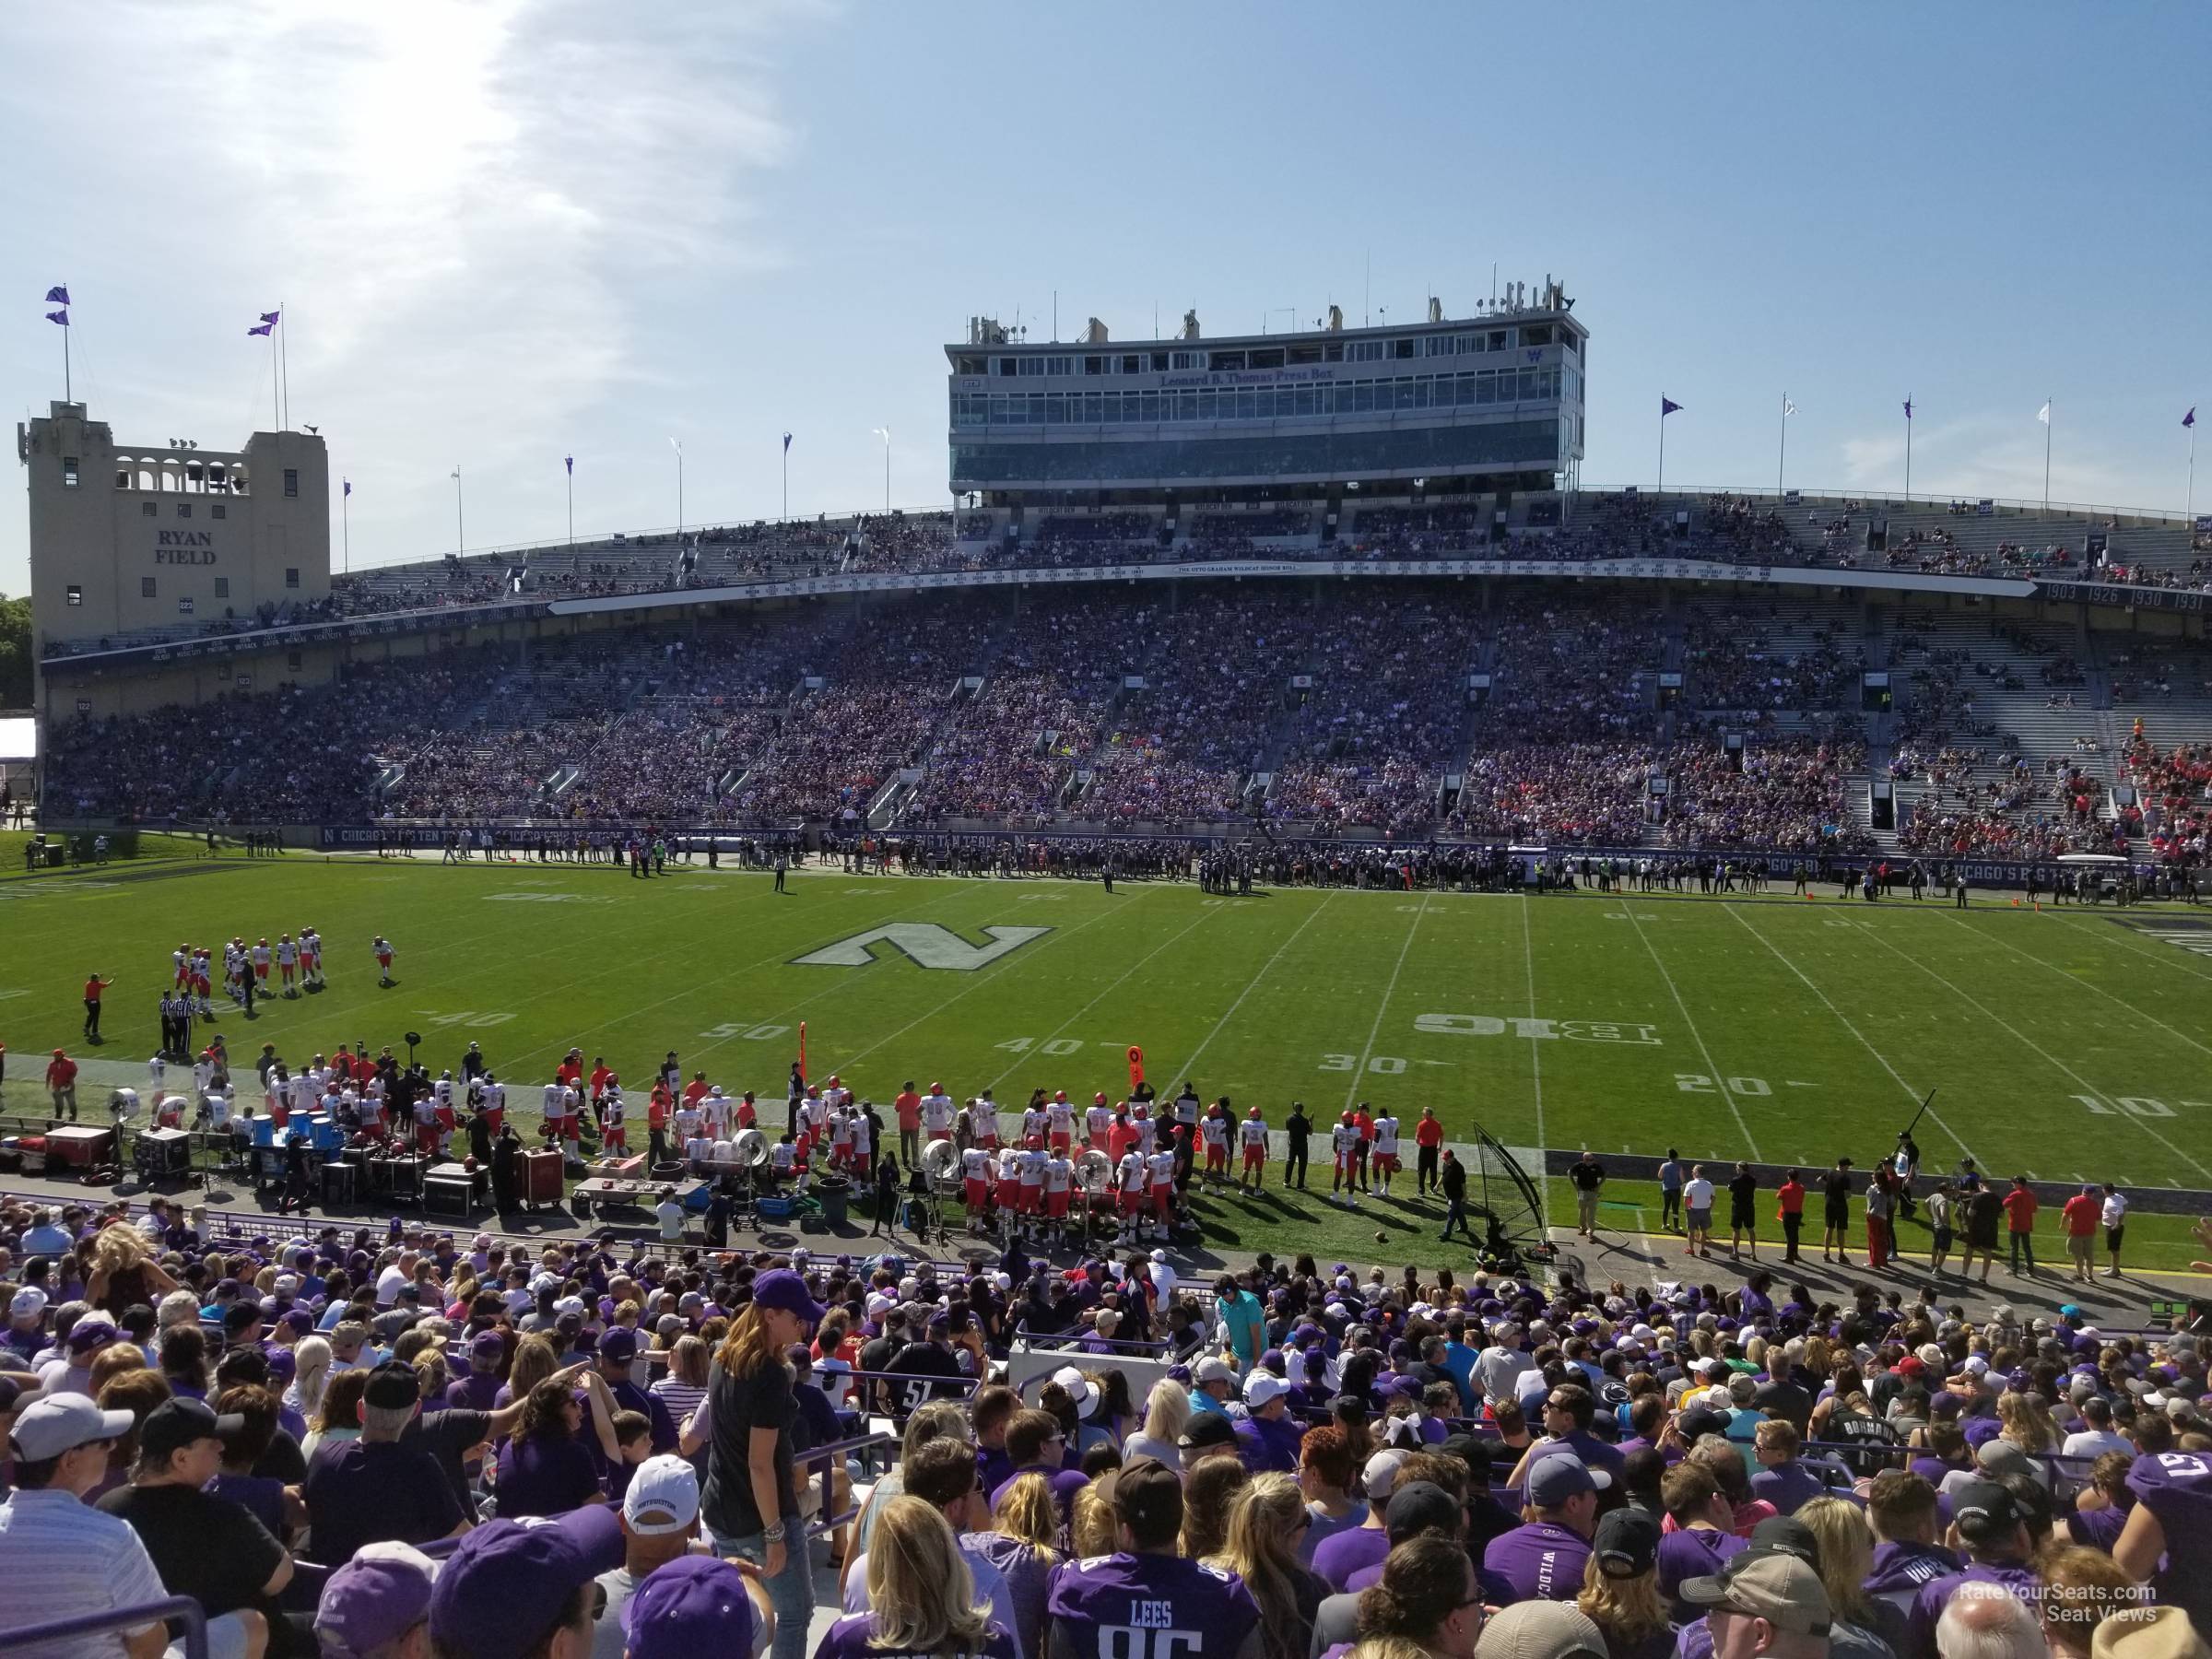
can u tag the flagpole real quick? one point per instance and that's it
(284, 355)
(68, 382)
(1661, 490)
(1784, 453)
(1908, 450)
(276, 414)
(2189, 512)
(571, 472)
(786, 515)
(346, 527)
(2047, 425)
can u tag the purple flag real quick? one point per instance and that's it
(787, 444)
(1667, 405)
(61, 316)
(570, 462)
(263, 329)
(57, 295)
(270, 317)
(349, 483)
(1908, 409)
(2189, 419)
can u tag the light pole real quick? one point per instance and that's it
(460, 522)
(678, 445)
(885, 433)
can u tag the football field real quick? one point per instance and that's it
(2069, 1043)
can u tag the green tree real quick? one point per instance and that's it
(14, 653)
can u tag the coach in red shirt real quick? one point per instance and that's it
(907, 1105)
(60, 1078)
(1790, 1210)
(2019, 1215)
(2081, 1213)
(1428, 1136)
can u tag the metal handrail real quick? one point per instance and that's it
(185, 1607)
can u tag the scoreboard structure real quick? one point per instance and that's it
(1467, 406)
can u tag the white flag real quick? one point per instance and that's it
(1788, 408)
(2043, 414)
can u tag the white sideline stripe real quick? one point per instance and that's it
(1720, 1079)
(1021, 1060)
(1352, 1090)
(1880, 1059)
(2033, 1047)
(2074, 979)
(1535, 1072)
(1190, 1066)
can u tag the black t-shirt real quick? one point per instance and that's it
(375, 1492)
(204, 1547)
(1785, 1399)
(737, 1406)
(283, 1461)
(1587, 1174)
(924, 1359)
(1297, 1127)
(1835, 1187)
(447, 1436)
(1742, 1192)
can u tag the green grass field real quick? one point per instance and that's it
(2070, 1043)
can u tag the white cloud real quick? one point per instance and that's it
(466, 210)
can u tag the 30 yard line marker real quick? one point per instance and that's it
(1880, 1059)
(1352, 1090)
(1188, 1066)
(1719, 1077)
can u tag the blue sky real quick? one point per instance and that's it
(508, 231)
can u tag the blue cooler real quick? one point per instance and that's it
(264, 1129)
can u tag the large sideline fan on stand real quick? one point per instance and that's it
(941, 1162)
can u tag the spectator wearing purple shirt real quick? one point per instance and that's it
(1416, 1508)
(1034, 1442)
(479, 1389)
(1543, 1559)
(1269, 1437)
(1991, 1523)
(1781, 1480)
(1147, 1585)
(1336, 1559)
(1568, 1410)
(1701, 1541)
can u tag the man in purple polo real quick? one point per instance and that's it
(1146, 1601)
(1568, 1408)
(1994, 1528)
(1543, 1559)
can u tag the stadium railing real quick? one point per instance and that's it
(182, 1608)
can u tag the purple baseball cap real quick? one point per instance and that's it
(694, 1605)
(373, 1600)
(504, 1567)
(783, 1290)
(620, 1345)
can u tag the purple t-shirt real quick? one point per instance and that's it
(1269, 1443)
(1140, 1604)
(1335, 1559)
(1933, 1597)
(1540, 1562)
(1789, 1488)
(1694, 1552)
(2176, 1486)
(848, 1639)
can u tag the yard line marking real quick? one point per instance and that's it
(1536, 1064)
(1719, 1077)
(983, 979)
(2116, 935)
(2028, 1043)
(1188, 1066)
(1880, 1059)
(2070, 978)
(1359, 1071)
(1021, 1060)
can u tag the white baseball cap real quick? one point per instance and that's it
(1263, 1387)
(665, 1485)
(1378, 1473)
(28, 1303)
(1081, 1389)
(1215, 1370)
(58, 1423)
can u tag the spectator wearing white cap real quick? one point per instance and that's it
(58, 1558)
(660, 1525)
(26, 1335)
(1212, 1386)
(1269, 1437)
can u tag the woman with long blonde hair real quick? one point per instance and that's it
(123, 1272)
(1846, 1560)
(535, 1359)
(1020, 1545)
(1620, 1586)
(1093, 1529)
(1266, 1520)
(310, 1371)
(921, 1594)
(1208, 1490)
(2029, 1425)
(1167, 1413)
(338, 1414)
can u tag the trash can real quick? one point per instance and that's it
(832, 1194)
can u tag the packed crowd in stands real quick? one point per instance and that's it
(1757, 657)
(1785, 793)
(2173, 808)
(1289, 1460)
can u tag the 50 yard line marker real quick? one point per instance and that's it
(1352, 1090)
